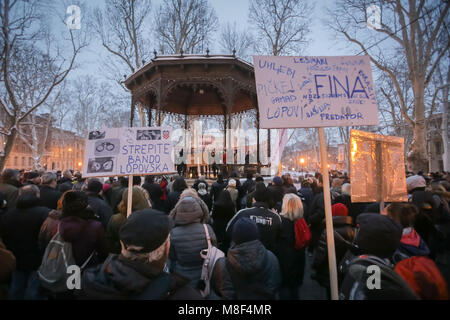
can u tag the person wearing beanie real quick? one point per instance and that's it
(137, 273)
(33, 178)
(79, 227)
(344, 234)
(96, 202)
(140, 201)
(204, 195)
(414, 183)
(268, 221)
(276, 191)
(377, 238)
(249, 271)
(49, 194)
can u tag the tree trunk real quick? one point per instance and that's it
(417, 157)
(445, 131)
(8, 148)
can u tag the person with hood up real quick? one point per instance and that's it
(19, 230)
(224, 209)
(140, 201)
(411, 244)
(344, 234)
(137, 273)
(204, 195)
(377, 238)
(217, 188)
(188, 238)
(249, 271)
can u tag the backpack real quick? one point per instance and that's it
(57, 258)
(246, 288)
(302, 234)
(210, 257)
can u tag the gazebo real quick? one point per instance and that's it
(196, 85)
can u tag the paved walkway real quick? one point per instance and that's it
(311, 290)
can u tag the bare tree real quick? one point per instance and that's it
(184, 25)
(412, 28)
(233, 39)
(123, 28)
(282, 25)
(24, 35)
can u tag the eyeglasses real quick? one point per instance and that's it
(105, 145)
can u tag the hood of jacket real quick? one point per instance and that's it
(190, 210)
(248, 257)
(118, 278)
(412, 243)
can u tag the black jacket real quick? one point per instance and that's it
(172, 199)
(268, 222)
(101, 209)
(216, 189)
(49, 197)
(121, 279)
(64, 185)
(252, 263)
(19, 230)
(277, 193)
(292, 261)
(343, 227)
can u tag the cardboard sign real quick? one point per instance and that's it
(128, 151)
(377, 168)
(299, 92)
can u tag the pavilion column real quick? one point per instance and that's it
(133, 108)
(149, 116)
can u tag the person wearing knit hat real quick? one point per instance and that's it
(137, 273)
(244, 230)
(415, 183)
(276, 191)
(249, 271)
(140, 201)
(339, 209)
(344, 234)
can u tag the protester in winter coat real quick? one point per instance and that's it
(66, 182)
(217, 187)
(316, 214)
(376, 240)
(117, 192)
(249, 271)
(204, 195)
(101, 209)
(9, 186)
(234, 193)
(137, 273)
(343, 234)
(155, 193)
(179, 185)
(49, 194)
(292, 260)
(288, 184)
(201, 179)
(224, 209)
(188, 238)
(19, 230)
(7, 266)
(140, 201)
(268, 222)
(79, 227)
(277, 192)
(423, 276)
(306, 194)
(251, 195)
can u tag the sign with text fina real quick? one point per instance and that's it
(128, 151)
(299, 92)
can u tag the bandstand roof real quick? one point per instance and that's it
(195, 85)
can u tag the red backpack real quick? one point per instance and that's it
(302, 234)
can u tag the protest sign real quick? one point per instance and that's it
(299, 92)
(128, 151)
(377, 168)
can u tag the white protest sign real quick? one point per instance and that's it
(128, 151)
(299, 92)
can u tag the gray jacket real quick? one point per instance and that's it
(188, 238)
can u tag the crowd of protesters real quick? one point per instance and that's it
(158, 251)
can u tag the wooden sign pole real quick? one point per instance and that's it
(130, 194)
(328, 216)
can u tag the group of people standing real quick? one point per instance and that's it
(158, 251)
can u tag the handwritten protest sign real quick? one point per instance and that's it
(128, 151)
(298, 92)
